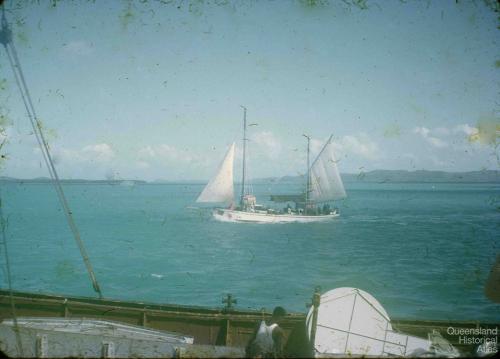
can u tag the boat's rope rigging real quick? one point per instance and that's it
(248, 180)
(244, 166)
(6, 40)
(246, 186)
(3, 225)
(308, 178)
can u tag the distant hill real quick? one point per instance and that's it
(162, 181)
(70, 181)
(423, 176)
(378, 176)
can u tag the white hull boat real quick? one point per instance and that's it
(323, 186)
(230, 215)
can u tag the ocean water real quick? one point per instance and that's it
(423, 250)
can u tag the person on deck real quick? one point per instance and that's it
(268, 340)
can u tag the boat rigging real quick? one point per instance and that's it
(15, 64)
(323, 184)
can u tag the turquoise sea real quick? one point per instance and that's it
(423, 250)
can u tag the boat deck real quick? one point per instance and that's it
(209, 326)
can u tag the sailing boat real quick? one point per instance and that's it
(323, 185)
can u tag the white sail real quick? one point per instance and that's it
(325, 182)
(220, 188)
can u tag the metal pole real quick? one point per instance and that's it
(308, 184)
(6, 41)
(316, 301)
(244, 154)
(3, 224)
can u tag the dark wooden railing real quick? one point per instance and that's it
(208, 326)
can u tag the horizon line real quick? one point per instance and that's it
(44, 178)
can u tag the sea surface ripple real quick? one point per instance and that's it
(423, 250)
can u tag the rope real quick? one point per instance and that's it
(37, 129)
(3, 224)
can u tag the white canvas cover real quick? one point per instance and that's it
(85, 338)
(325, 182)
(220, 187)
(352, 322)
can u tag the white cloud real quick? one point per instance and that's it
(360, 145)
(172, 153)
(436, 142)
(465, 128)
(3, 136)
(316, 145)
(101, 152)
(146, 152)
(424, 131)
(65, 155)
(268, 142)
(167, 153)
(426, 134)
(456, 136)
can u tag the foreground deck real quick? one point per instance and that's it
(208, 326)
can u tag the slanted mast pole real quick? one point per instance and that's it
(8, 44)
(308, 184)
(244, 154)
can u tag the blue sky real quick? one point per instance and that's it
(153, 91)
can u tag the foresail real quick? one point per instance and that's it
(220, 188)
(325, 182)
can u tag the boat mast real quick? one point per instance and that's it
(8, 44)
(244, 153)
(308, 184)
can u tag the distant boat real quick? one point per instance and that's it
(324, 185)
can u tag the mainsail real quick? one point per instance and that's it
(325, 182)
(220, 188)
